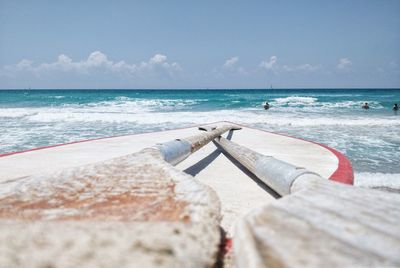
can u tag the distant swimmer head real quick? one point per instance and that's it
(266, 105)
(365, 106)
(395, 107)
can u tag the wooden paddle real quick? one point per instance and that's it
(318, 223)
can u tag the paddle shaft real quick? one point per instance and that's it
(177, 150)
(277, 174)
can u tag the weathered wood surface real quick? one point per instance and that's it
(44, 244)
(176, 151)
(132, 211)
(198, 141)
(322, 224)
(318, 223)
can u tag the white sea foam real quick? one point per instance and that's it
(249, 116)
(350, 104)
(286, 111)
(377, 180)
(139, 113)
(312, 104)
(122, 98)
(121, 104)
(17, 112)
(295, 100)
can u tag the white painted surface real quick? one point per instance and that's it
(237, 192)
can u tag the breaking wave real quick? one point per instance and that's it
(383, 181)
(295, 100)
(150, 115)
(17, 112)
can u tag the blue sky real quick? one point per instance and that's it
(199, 44)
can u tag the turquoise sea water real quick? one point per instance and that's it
(370, 138)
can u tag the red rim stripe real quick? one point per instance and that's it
(343, 173)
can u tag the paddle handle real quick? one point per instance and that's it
(277, 174)
(177, 150)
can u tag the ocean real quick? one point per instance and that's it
(369, 138)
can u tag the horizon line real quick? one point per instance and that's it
(205, 88)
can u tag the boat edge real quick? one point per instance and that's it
(343, 173)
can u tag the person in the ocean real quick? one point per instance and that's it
(365, 106)
(395, 107)
(266, 105)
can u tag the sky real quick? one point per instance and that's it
(199, 44)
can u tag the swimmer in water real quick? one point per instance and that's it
(266, 106)
(365, 106)
(395, 107)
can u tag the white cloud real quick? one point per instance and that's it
(344, 64)
(230, 68)
(229, 63)
(301, 68)
(308, 67)
(269, 64)
(158, 58)
(272, 65)
(24, 65)
(157, 62)
(96, 61)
